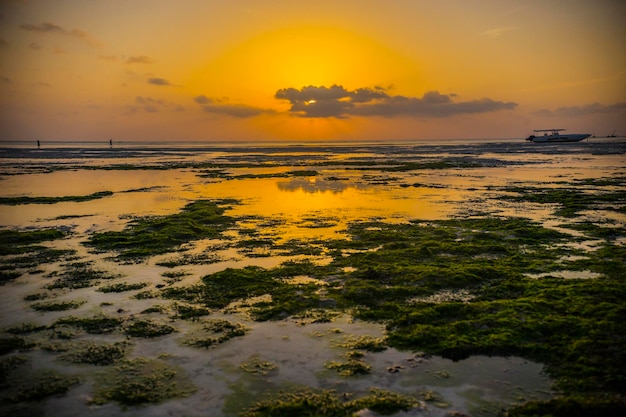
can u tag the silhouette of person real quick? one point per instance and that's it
(110, 143)
(38, 145)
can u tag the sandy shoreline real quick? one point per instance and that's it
(309, 219)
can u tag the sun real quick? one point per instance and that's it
(298, 56)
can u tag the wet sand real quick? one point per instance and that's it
(307, 194)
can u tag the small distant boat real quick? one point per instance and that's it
(555, 135)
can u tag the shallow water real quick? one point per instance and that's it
(297, 207)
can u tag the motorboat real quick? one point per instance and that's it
(555, 135)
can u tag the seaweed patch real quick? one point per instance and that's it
(328, 403)
(149, 236)
(141, 381)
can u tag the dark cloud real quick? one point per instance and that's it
(336, 101)
(158, 81)
(51, 28)
(153, 105)
(4, 44)
(141, 59)
(221, 106)
(202, 99)
(44, 27)
(235, 110)
(5, 80)
(34, 45)
(593, 108)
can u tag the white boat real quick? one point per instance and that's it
(555, 135)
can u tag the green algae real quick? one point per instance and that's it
(257, 366)
(36, 296)
(145, 295)
(148, 236)
(93, 325)
(57, 305)
(220, 289)
(14, 201)
(14, 343)
(45, 384)
(185, 259)
(21, 250)
(147, 329)
(25, 328)
(570, 201)
(303, 173)
(8, 276)
(368, 343)
(78, 275)
(350, 367)
(392, 273)
(13, 241)
(574, 326)
(189, 312)
(154, 309)
(328, 403)
(121, 287)
(141, 381)
(7, 365)
(605, 232)
(215, 332)
(174, 276)
(94, 353)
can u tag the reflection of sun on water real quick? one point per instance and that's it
(338, 202)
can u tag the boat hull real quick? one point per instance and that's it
(575, 137)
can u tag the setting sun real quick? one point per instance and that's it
(296, 57)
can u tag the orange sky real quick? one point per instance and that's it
(309, 70)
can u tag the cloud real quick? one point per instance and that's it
(202, 99)
(35, 46)
(152, 105)
(4, 44)
(593, 108)
(158, 81)
(497, 32)
(44, 27)
(5, 80)
(51, 28)
(235, 110)
(58, 50)
(141, 59)
(111, 58)
(221, 106)
(336, 101)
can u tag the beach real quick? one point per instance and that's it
(419, 278)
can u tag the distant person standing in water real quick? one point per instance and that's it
(38, 145)
(111, 143)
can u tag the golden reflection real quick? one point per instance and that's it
(301, 203)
